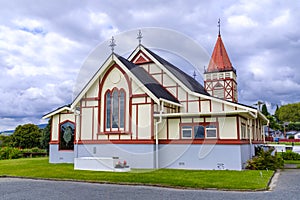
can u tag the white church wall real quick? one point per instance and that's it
(217, 106)
(154, 69)
(93, 90)
(137, 88)
(227, 127)
(144, 121)
(228, 107)
(162, 130)
(205, 106)
(173, 127)
(55, 127)
(136, 155)
(197, 156)
(86, 123)
(57, 156)
(133, 121)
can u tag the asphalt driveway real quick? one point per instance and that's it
(286, 185)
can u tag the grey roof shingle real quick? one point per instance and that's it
(153, 85)
(187, 80)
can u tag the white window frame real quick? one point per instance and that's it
(187, 128)
(208, 128)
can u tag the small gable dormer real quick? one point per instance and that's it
(141, 58)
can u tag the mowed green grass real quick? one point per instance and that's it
(201, 179)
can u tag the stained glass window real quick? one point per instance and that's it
(66, 140)
(115, 110)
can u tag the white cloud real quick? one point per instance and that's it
(282, 19)
(43, 46)
(241, 21)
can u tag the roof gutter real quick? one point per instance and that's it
(224, 113)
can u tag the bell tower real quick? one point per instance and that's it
(220, 75)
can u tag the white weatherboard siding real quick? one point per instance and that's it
(196, 156)
(136, 155)
(57, 156)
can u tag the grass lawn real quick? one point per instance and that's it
(220, 179)
(286, 143)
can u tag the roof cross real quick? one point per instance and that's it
(112, 44)
(139, 37)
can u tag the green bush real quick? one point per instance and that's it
(265, 160)
(10, 153)
(14, 153)
(290, 155)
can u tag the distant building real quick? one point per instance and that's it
(150, 113)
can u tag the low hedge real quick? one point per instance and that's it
(14, 153)
(290, 155)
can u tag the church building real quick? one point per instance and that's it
(145, 110)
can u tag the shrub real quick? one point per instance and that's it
(265, 160)
(290, 155)
(10, 153)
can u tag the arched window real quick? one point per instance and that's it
(66, 135)
(115, 110)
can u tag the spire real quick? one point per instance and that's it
(219, 59)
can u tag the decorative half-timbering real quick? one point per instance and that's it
(147, 111)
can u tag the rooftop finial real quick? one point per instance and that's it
(139, 37)
(194, 74)
(112, 44)
(219, 25)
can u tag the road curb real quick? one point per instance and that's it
(273, 180)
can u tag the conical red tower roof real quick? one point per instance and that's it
(219, 59)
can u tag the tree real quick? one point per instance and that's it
(26, 136)
(289, 113)
(264, 110)
(45, 138)
(273, 123)
(4, 140)
(276, 113)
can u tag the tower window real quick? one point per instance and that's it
(215, 76)
(208, 76)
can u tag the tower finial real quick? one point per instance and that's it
(112, 44)
(140, 36)
(219, 25)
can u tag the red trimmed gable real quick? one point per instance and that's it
(141, 58)
(219, 60)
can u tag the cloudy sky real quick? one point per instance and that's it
(43, 45)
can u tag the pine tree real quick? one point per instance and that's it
(264, 110)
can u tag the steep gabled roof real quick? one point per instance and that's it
(148, 81)
(57, 110)
(187, 80)
(219, 59)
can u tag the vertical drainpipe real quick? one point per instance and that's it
(77, 115)
(161, 105)
(250, 137)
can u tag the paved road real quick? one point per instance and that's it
(287, 187)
